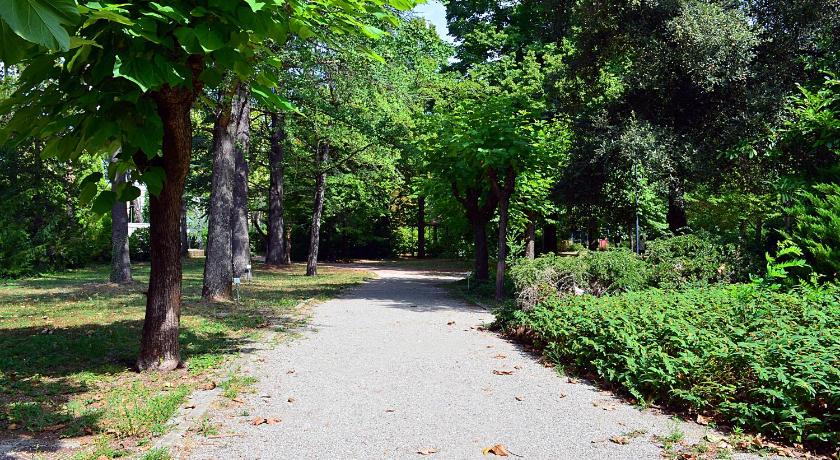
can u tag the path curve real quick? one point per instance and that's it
(397, 366)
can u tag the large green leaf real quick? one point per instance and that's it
(12, 47)
(41, 21)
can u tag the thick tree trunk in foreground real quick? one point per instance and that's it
(218, 264)
(531, 237)
(185, 242)
(159, 348)
(275, 253)
(504, 192)
(479, 213)
(421, 227)
(322, 157)
(677, 219)
(240, 240)
(120, 258)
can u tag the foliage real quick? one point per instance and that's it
(691, 260)
(757, 358)
(139, 245)
(817, 227)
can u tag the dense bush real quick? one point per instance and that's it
(690, 260)
(140, 245)
(591, 272)
(757, 358)
(817, 228)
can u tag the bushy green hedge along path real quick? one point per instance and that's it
(760, 359)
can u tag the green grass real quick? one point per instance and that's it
(68, 342)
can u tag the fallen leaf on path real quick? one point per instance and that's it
(290, 371)
(450, 323)
(702, 420)
(502, 372)
(238, 400)
(489, 346)
(12, 426)
(273, 421)
(390, 410)
(208, 386)
(427, 451)
(620, 440)
(562, 395)
(520, 398)
(259, 421)
(518, 366)
(498, 449)
(102, 457)
(291, 399)
(500, 356)
(571, 380)
(189, 406)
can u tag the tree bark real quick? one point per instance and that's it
(218, 264)
(421, 227)
(185, 242)
(478, 214)
(503, 192)
(240, 240)
(531, 237)
(120, 258)
(136, 211)
(677, 219)
(275, 253)
(322, 155)
(159, 347)
(287, 246)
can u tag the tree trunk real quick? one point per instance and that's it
(120, 258)
(421, 227)
(481, 267)
(531, 237)
(503, 192)
(677, 220)
(240, 240)
(136, 211)
(322, 157)
(218, 264)
(159, 348)
(287, 246)
(185, 242)
(276, 249)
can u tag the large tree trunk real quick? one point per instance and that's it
(276, 249)
(531, 237)
(504, 192)
(322, 157)
(481, 266)
(240, 241)
(218, 264)
(136, 210)
(677, 219)
(421, 227)
(159, 348)
(120, 258)
(185, 242)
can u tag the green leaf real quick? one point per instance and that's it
(255, 5)
(129, 193)
(13, 48)
(103, 203)
(87, 192)
(269, 98)
(41, 21)
(209, 39)
(154, 178)
(139, 71)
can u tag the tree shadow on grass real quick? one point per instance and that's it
(41, 371)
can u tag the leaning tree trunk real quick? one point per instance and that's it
(218, 264)
(503, 192)
(159, 348)
(240, 241)
(276, 249)
(421, 227)
(322, 157)
(531, 237)
(120, 258)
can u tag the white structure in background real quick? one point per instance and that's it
(140, 203)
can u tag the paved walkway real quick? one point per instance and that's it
(396, 367)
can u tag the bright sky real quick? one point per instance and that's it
(434, 12)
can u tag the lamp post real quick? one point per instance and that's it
(636, 187)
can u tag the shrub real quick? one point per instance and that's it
(140, 245)
(757, 358)
(597, 273)
(691, 260)
(817, 228)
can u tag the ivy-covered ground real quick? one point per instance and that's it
(68, 343)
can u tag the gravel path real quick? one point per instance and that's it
(397, 366)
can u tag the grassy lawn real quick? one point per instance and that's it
(68, 342)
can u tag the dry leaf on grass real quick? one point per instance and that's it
(12, 426)
(498, 449)
(427, 451)
(502, 372)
